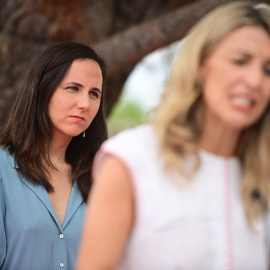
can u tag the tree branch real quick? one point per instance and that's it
(129, 47)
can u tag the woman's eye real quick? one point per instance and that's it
(93, 93)
(266, 71)
(239, 62)
(73, 88)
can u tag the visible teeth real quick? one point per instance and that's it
(242, 101)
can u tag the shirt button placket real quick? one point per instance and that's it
(61, 264)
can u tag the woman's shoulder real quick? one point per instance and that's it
(4, 153)
(6, 159)
(133, 137)
(131, 144)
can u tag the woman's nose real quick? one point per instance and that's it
(255, 77)
(84, 102)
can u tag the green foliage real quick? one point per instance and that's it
(125, 114)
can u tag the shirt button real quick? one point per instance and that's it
(61, 236)
(61, 265)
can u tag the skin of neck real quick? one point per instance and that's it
(219, 139)
(57, 149)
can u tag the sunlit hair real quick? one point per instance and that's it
(178, 119)
(28, 131)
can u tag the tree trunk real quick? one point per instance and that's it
(122, 31)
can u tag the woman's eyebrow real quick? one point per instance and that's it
(75, 83)
(80, 85)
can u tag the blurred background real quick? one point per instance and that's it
(142, 90)
(137, 38)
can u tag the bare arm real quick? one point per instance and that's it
(109, 218)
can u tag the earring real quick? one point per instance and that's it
(83, 134)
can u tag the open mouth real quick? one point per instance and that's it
(243, 101)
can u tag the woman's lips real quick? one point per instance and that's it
(78, 118)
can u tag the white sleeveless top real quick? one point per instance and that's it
(195, 226)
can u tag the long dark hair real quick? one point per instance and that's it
(29, 125)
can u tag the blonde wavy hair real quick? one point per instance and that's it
(178, 119)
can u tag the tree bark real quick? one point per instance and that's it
(122, 31)
(140, 40)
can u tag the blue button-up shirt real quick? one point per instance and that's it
(31, 237)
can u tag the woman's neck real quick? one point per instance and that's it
(219, 140)
(57, 150)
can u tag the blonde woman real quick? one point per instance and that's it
(190, 190)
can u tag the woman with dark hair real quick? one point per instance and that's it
(54, 130)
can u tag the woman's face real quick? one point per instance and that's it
(236, 79)
(76, 100)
